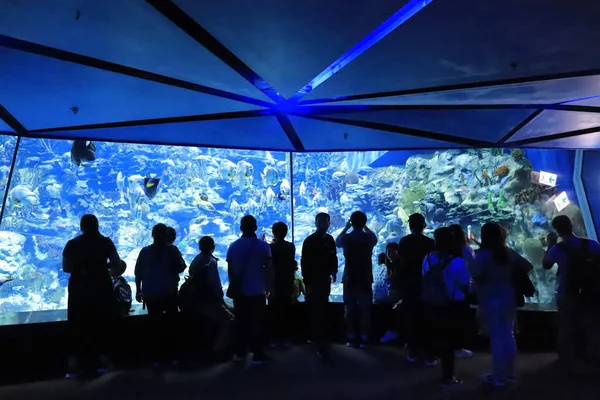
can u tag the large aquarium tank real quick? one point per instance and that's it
(201, 191)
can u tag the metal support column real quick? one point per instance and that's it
(10, 175)
(584, 205)
(292, 193)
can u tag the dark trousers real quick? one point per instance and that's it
(442, 326)
(412, 313)
(317, 300)
(281, 319)
(466, 318)
(250, 322)
(162, 313)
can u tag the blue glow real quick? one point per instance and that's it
(401, 16)
(581, 99)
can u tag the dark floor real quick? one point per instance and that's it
(377, 373)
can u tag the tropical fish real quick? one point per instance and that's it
(205, 205)
(82, 152)
(352, 178)
(235, 208)
(136, 195)
(302, 190)
(203, 197)
(270, 176)
(285, 187)
(23, 195)
(228, 170)
(338, 175)
(270, 197)
(135, 180)
(245, 170)
(252, 207)
(345, 201)
(120, 182)
(150, 186)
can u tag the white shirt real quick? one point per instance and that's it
(455, 274)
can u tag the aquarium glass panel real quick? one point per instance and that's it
(130, 188)
(7, 148)
(467, 187)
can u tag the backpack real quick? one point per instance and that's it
(122, 293)
(188, 295)
(583, 272)
(433, 285)
(195, 291)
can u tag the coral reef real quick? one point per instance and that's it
(517, 154)
(501, 171)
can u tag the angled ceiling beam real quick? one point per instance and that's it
(405, 131)
(520, 126)
(461, 86)
(12, 121)
(357, 108)
(387, 27)
(563, 135)
(187, 24)
(158, 121)
(290, 131)
(34, 48)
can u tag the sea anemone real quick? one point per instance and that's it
(485, 175)
(501, 171)
(517, 155)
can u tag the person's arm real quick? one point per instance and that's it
(523, 263)
(139, 265)
(269, 272)
(372, 236)
(114, 261)
(463, 277)
(550, 257)
(334, 261)
(305, 260)
(339, 241)
(67, 263)
(213, 279)
(178, 262)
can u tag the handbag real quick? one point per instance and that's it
(523, 286)
(234, 290)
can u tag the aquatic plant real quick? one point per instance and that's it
(517, 154)
(490, 201)
(501, 171)
(414, 193)
(501, 199)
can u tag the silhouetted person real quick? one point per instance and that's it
(493, 270)
(91, 305)
(319, 270)
(412, 250)
(121, 288)
(467, 317)
(391, 260)
(209, 294)
(171, 235)
(284, 269)
(157, 279)
(578, 295)
(250, 271)
(358, 277)
(444, 284)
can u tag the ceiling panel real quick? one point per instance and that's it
(542, 92)
(589, 141)
(4, 127)
(462, 41)
(488, 125)
(131, 33)
(247, 133)
(550, 122)
(330, 136)
(288, 43)
(593, 101)
(41, 91)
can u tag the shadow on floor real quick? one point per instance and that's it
(377, 373)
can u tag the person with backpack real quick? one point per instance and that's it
(121, 289)
(578, 295)
(392, 297)
(496, 270)
(358, 277)
(319, 264)
(157, 279)
(412, 250)
(444, 284)
(207, 295)
(284, 269)
(250, 270)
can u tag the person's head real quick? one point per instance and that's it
(160, 233)
(89, 224)
(416, 223)
(322, 221)
(391, 251)
(444, 242)
(118, 271)
(459, 234)
(248, 225)
(280, 230)
(358, 219)
(493, 238)
(171, 235)
(563, 225)
(206, 244)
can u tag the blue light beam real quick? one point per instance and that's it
(399, 17)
